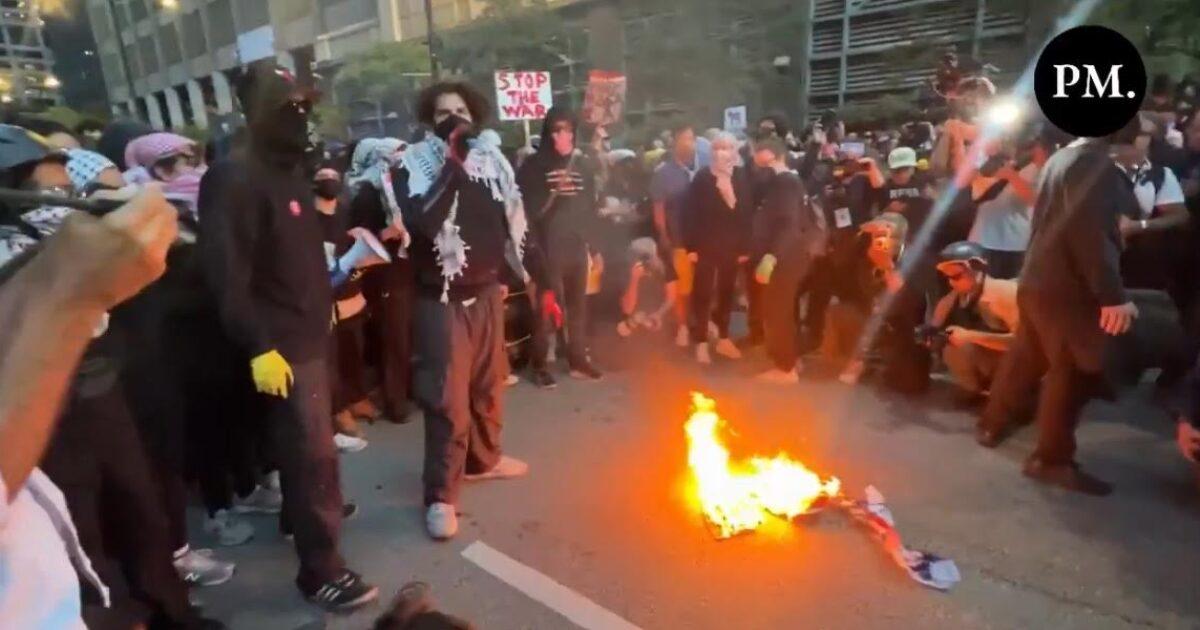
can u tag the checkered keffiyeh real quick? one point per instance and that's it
(83, 166)
(150, 148)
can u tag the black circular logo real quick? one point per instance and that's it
(1090, 81)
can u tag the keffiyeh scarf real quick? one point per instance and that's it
(485, 165)
(372, 163)
(84, 166)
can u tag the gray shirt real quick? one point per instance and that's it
(670, 186)
(1003, 223)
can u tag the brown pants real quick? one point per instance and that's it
(461, 367)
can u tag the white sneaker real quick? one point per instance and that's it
(348, 443)
(779, 377)
(726, 349)
(270, 481)
(713, 331)
(441, 521)
(506, 468)
(702, 356)
(852, 373)
(682, 337)
(228, 529)
(197, 566)
(511, 380)
(262, 501)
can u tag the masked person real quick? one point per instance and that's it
(717, 237)
(462, 206)
(173, 160)
(979, 317)
(788, 236)
(559, 192)
(389, 289)
(1071, 304)
(97, 456)
(262, 253)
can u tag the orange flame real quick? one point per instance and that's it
(737, 496)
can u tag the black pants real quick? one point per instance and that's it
(717, 280)
(348, 363)
(568, 279)
(97, 459)
(390, 293)
(1004, 265)
(1040, 352)
(781, 321)
(301, 440)
(461, 367)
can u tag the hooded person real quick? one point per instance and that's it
(559, 191)
(460, 202)
(263, 256)
(117, 135)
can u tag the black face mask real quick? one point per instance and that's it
(284, 130)
(447, 126)
(329, 189)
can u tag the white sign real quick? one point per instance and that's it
(523, 95)
(256, 44)
(735, 119)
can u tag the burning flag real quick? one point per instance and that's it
(737, 496)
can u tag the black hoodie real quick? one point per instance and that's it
(261, 242)
(562, 224)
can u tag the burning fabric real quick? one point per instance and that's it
(737, 496)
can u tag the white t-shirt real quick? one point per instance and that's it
(38, 542)
(1003, 223)
(1147, 197)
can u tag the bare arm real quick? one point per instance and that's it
(660, 224)
(49, 310)
(999, 342)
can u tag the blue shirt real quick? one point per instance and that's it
(670, 186)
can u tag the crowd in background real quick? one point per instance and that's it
(310, 290)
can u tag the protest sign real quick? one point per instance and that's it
(735, 119)
(604, 102)
(523, 95)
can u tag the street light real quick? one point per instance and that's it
(51, 82)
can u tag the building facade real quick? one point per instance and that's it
(172, 63)
(26, 63)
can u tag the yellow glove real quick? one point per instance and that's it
(765, 268)
(272, 374)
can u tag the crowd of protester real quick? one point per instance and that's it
(304, 292)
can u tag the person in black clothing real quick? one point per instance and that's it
(788, 235)
(717, 237)
(558, 189)
(462, 207)
(1071, 303)
(388, 289)
(97, 456)
(261, 250)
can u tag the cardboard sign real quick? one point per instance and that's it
(604, 102)
(523, 95)
(735, 119)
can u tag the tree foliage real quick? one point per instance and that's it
(385, 72)
(509, 34)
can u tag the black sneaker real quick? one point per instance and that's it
(346, 593)
(586, 372)
(543, 380)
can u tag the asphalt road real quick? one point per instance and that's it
(605, 514)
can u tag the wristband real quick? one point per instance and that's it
(1142, 224)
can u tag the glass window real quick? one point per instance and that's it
(168, 38)
(149, 54)
(137, 9)
(252, 14)
(194, 44)
(220, 24)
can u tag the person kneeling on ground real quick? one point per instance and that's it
(978, 316)
(651, 291)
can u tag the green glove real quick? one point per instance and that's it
(765, 268)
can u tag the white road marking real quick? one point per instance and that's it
(582, 611)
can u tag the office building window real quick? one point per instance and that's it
(168, 38)
(137, 10)
(193, 35)
(252, 14)
(135, 62)
(220, 24)
(348, 12)
(149, 54)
